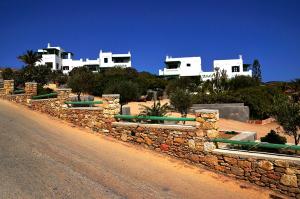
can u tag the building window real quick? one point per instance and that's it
(105, 60)
(65, 67)
(188, 65)
(235, 69)
(49, 64)
(57, 66)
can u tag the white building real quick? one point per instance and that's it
(59, 59)
(184, 66)
(191, 66)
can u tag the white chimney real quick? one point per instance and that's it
(48, 45)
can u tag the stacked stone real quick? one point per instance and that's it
(63, 95)
(8, 86)
(111, 105)
(207, 127)
(30, 89)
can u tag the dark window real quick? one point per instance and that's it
(65, 67)
(105, 60)
(235, 69)
(57, 66)
(188, 65)
(49, 64)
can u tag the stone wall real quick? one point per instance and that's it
(111, 104)
(190, 143)
(31, 88)
(8, 86)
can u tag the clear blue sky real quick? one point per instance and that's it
(268, 30)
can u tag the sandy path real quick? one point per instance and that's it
(42, 157)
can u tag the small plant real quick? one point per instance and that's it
(274, 138)
(155, 110)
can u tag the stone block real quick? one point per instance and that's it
(230, 160)
(237, 171)
(289, 180)
(209, 146)
(281, 163)
(265, 165)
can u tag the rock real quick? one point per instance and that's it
(220, 168)
(281, 163)
(194, 158)
(294, 190)
(179, 140)
(231, 161)
(289, 180)
(244, 164)
(237, 171)
(211, 160)
(265, 165)
(148, 141)
(191, 143)
(212, 133)
(124, 137)
(140, 140)
(164, 147)
(209, 146)
(289, 171)
(200, 133)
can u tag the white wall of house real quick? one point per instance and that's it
(233, 67)
(67, 63)
(108, 59)
(183, 66)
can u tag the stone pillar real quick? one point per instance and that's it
(8, 86)
(111, 105)
(63, 94)
(30, 89)
(207, 126)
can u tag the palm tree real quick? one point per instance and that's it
(30, 57)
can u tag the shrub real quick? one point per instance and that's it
(128, 90)
(155, 110)
(42, 91)
(240, 82)
(273, 137)
(181, 100)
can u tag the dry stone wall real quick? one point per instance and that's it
(191, 143)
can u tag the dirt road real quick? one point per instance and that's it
(42, 157)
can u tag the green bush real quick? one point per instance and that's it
(42, 91)
(128, 90)
(155, 110)
(181, 100)
(274, 138)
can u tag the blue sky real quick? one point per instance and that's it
(214, 29)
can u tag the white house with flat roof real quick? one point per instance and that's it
(59, 59)
(191, 66)
(183, 66)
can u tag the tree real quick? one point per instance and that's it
(256, 70)
(7, 74)
(40, 74)
(220, 80)
(30, 58)
(81, 80)
(181, 100)
(128, 90)
(287, 114)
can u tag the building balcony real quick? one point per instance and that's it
(169, 72)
